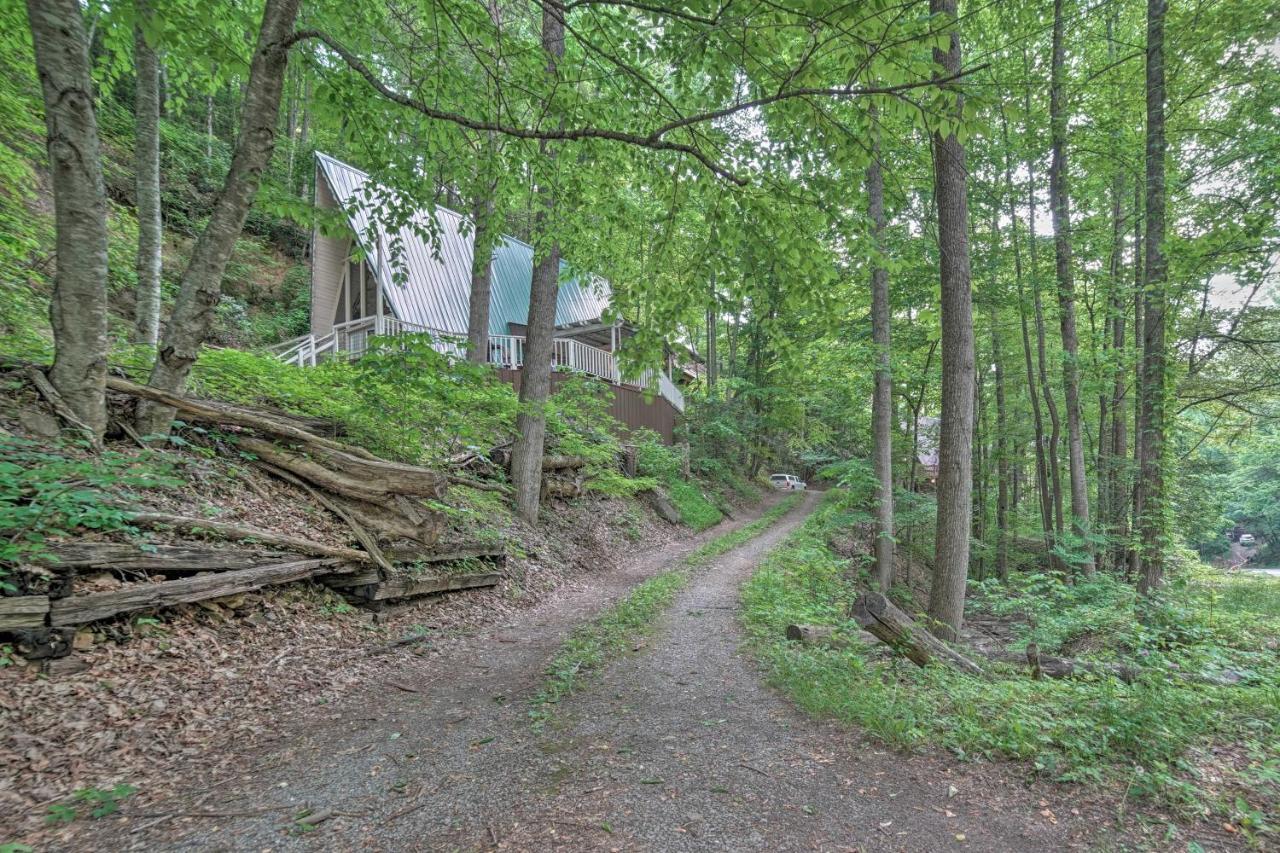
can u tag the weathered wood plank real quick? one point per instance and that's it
(78, 609)
(123, 556)
(448, 554)
(231, 530)
(23, 611)
(405, 587)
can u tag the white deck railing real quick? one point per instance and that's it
(351, 340)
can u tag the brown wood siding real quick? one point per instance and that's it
(628, 405)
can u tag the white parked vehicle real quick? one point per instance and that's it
(787, 483)
(1246, 539)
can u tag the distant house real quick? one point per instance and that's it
(418, 279)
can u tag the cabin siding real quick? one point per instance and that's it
(328, 256)
(627, 405)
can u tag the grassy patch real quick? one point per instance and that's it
(694, 508)
(1195, 747)
(594, 644)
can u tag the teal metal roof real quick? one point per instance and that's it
(436, 264)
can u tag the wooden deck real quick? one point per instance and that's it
(351, 340)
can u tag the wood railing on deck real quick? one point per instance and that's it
(351, 340)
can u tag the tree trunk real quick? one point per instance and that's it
(955, 473)
(882, 401)
(1151, 523)
(1139, 335)
(1002, 442)
(201, 286)
(535, 384)
(78, 306)
(1060, 204)
(1042, 470)
(147, 168)
(481, 280)
(879, 617)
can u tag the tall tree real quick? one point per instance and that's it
(147, 178)
(201, 286)
(1060, 204)
(1153, 426)
(535, 383)
(78, 306)
(882, 401)
(955, 471)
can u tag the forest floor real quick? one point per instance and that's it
(677, 746)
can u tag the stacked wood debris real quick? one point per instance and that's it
(395, 552)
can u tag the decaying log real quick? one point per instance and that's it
(391, 524)
(363, 536)
(878, 615)
(240, 532)
(79, 609)
(407, 586)
(124, 557)
(1055, 667)
(41, 382)
(23, 611)
(494, 553)
(210, 411)
(343, 474)
(662, 505)
(817, 635)
(560, 463)
(554, 487)
(482, 485)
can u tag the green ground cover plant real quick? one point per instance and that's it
(1155, 737)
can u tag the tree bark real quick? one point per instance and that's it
(201, 285)
(882, 401)
(481, 280)
(1060, 203)
(1002, 441)
(147, 181)
(955, 472)
(1151, 521)
(1042, 472)
(544, 289)
(78, 306)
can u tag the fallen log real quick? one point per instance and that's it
(241, 532)
(408, 586)
(343, 474)
(818, 635)
(880, 617)
(125, 557)
(363, 536)
(560, 463)
(210, 411)
(42, 384)
(1048, 666)
(23, 611)
(79, 609)
(558, 488)
(418, 556)
(662, 505)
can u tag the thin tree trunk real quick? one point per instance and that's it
(147, 169)
(1151, 522)
(882, 401)
(78, 306)
(955, 473)
(535, 384)
(713, 311)
(481, 279)
(201, 286)
(1002, 445)
(1042, 471)
(1060, 204)
(1139, 335)
(304, 131)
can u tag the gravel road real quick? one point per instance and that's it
(678, 746)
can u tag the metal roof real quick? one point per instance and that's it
(434, 263)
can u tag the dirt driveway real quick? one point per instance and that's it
(676, 747)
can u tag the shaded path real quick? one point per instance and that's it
(677, 747)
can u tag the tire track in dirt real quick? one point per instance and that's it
(441, 746)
